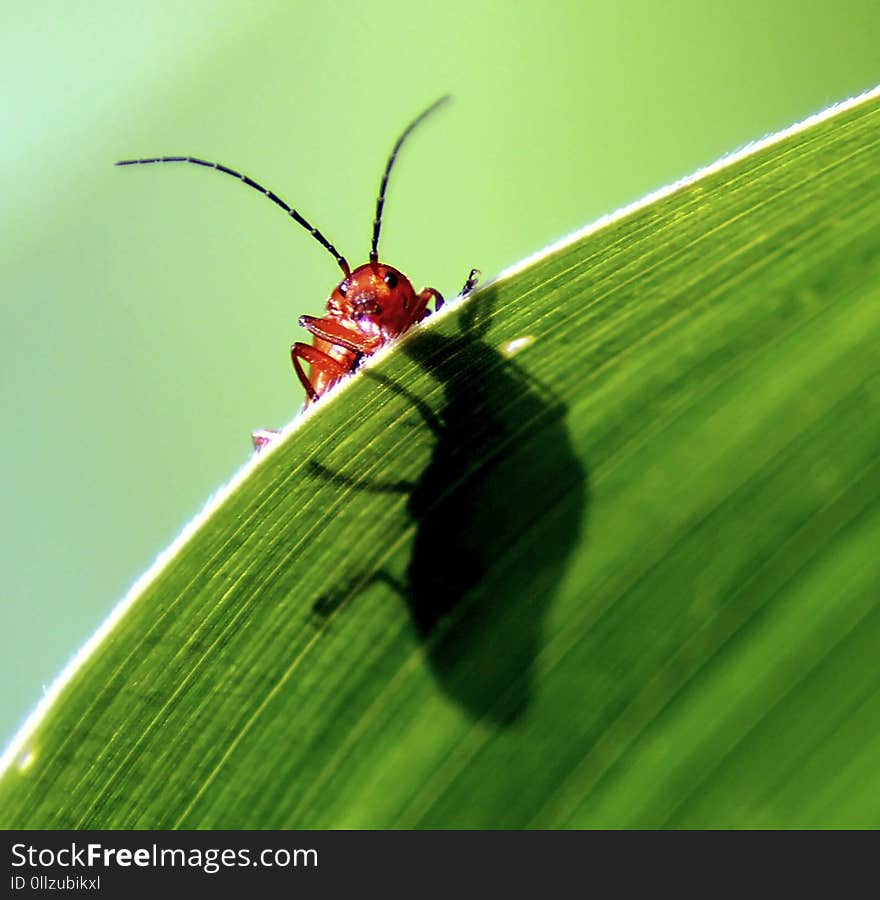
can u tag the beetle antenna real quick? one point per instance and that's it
(340, 259)
(380, 203)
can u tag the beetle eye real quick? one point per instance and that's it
(343, 289)
(391, 280)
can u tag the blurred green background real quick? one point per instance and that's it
(147, 313)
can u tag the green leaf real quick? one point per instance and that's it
(598, 546)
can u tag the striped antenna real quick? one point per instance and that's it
(380, 203)
(340, 259)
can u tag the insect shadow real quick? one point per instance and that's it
(498, 511)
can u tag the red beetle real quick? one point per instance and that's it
(371, 306)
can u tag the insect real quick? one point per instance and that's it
(372, 305)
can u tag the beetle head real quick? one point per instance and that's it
(377, 298)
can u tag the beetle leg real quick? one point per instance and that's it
(263, 437)
(471, 282)
(430, 293)
(334, 333)
(423, 299)
(318, 360)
